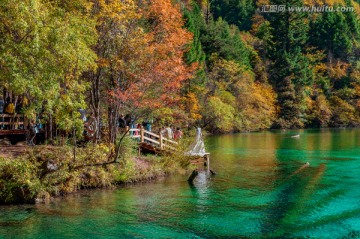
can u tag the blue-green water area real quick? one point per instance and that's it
(263, 189)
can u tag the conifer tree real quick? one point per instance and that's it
(194, 23)
(290, 71)
(218, 37)
(332, 33)
(237, 12)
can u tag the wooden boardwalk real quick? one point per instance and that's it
(156, 143)
(152, 142)
(13, 124)
(13, 127)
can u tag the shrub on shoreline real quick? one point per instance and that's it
(47, 171)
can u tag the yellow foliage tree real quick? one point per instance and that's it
(252, 104)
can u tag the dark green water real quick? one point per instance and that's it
(259, 192)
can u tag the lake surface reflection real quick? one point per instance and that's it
(262, 190)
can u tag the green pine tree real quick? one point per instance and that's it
(237, 12)
(331, 32)
(218, 37)
(290, 72)
(194, 23)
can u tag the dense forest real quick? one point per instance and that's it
(221, 65)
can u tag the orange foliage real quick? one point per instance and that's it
(160, 67)
(192, 106)
(140, 52)
(260, 3)
(167, 46)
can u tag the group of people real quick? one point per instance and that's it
(170, 133)
(128, 121)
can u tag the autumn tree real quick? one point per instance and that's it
(119, 50)
(45, 47)
(236, 101)
(140, 68)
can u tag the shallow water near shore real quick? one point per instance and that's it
(262, 189)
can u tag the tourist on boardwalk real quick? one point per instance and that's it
(122, 123)
(178, 134)
(163, 131)
(32, 130)
(132, 126)
(137, 133)
(128, 120)
(138, 126)
(147, 125)
(169, 132)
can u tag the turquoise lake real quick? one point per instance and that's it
(262, 189)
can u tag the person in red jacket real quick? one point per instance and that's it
(178, 134)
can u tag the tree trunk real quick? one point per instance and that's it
(113, 115)
(117, 153)
(51, 128)
(74, 135)
(95, 102)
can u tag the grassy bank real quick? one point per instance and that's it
(48, 171)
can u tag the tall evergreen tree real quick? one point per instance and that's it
(194, 23)
(218, 37)
(192, 88)
(331, 32)
(237, 12)
(290, 71)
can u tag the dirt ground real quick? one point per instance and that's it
(12, 151)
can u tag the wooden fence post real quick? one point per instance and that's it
(142, 134)
(161, 141)
(208, 162)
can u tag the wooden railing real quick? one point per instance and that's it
(12, 121)
(151, 138)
